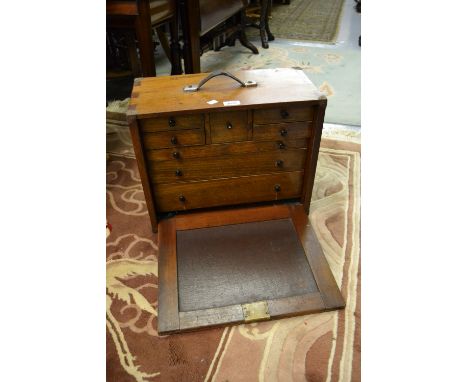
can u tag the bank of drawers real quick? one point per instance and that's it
(228, 157)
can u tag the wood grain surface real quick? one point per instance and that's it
(229, 191)
(326, 283)
(165, 139)
(229, 126)
(289, 113)
(278, 131)
(171, 123)
(160, 96)
(267, 162)
(217, 150)
(142, 168)
(168, 300)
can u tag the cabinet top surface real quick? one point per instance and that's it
(154, 96)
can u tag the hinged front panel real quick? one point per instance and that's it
(241, 265)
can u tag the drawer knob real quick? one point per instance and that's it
(277, 188)
(172, 122)
(176, 155)
(178, 172)
(284, 114)
(174, 140)
(281, 145)
(279, 163)
(284, 132)
(182, 198)
(229, 125)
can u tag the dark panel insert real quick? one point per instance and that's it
(241, 263)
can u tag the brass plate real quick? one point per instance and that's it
(255, 311)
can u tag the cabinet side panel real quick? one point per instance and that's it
(140, 157)
(312, 155)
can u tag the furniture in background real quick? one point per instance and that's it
(138, 18)
(358, 10)
(262, 13)
(211, 24)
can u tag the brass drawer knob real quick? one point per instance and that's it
(281, 145)
(229, 125)
(174, 140)
(284, 114)
(277, 188)
(172, 122)
(279, 163)
(178, 172)
(284, 132)
(176, 155)
(182, 198)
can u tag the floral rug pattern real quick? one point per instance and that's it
(316, 347)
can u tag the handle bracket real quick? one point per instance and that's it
(216, 73)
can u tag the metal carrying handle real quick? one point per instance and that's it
(194, 88)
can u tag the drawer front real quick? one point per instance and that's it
(217, 150)
(174, 139)
(179, 122)
(230, 126)
(228, 166)
(281, 131)
(248, 189)
(283, 114)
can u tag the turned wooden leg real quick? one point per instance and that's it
(242, 36)
(163, 40)
(191, 35)
(263, 22)
(132, 53)
(175, 47)
(267, 24)
(144, 34)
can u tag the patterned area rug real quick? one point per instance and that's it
(313, 20)
(317, 347)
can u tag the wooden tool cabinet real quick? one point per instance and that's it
(222, 143)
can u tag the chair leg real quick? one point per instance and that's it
(191, 35)
(163, 40)
(132, 54)
(242, 36)
(263, 22)
(175, 47)
(267, 24)
(145, 40)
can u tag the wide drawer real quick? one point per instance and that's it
(177, 154)
(278, 131)
(174, 138)
(221, 192)
(229, 126)
(190, 121)
(283, 114)
(227, 166)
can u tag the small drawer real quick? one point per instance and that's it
(229, 126)
(267, 162)
(278, 131)
(283, 114)
(178, 122)
(248, 189)
(173, 139)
